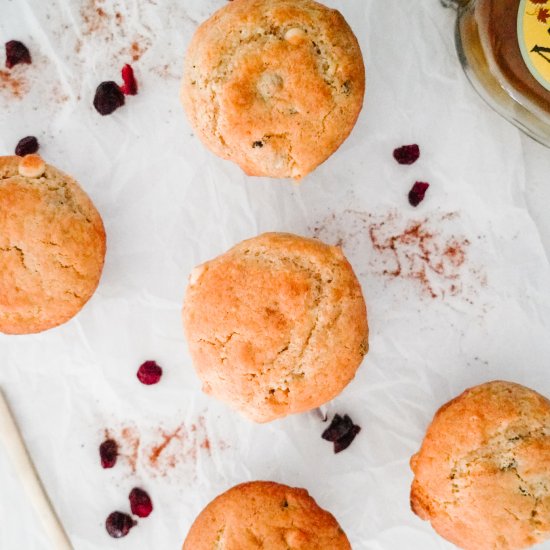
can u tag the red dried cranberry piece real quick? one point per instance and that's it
(418, 192)
(130, 86)
(140, 503)
(149, 373)
(346, 440)
(118, 524)
(407, 154)
(26, 146)
(108, 453)
(108, 98)
(338, 428)
(341, 432)
(16, 52)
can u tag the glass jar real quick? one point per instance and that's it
(504, 47)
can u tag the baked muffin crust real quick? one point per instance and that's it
(52, 246)
(276, 325)
(263, 514)
(482, 475)
(274, 85)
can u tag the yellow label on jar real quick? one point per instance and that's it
(534, 38)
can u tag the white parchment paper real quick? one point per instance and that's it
(168, 204)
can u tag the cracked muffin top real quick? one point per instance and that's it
(263, 514)
(276, 325)
(482, 475)
(52, 246)
(274, 85)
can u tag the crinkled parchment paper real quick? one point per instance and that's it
(458, 289)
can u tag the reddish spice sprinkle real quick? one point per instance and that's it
(162, 451)
(418, 192)
(130, 86)
(14, 86)
(136, 51)
(157, 451)
(94, 17)
(429, 252)
(149, 373)
(140, 503)
(16, 53)
(407, 154)
(418, 252)
(131, 440)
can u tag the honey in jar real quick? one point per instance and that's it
(504, 46)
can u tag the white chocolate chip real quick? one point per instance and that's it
(294, 36)
(195, 275)
(31, 166)
(269, 84)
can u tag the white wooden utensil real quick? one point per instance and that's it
(13, 445)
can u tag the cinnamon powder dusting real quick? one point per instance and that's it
(105, 21)
(419, 253)
(162, 452)
(429, 251)
(128, 443)
(93, 16)
(166, 71)
(136, 51)
(12, 85)
(131, 439)
(155, 451)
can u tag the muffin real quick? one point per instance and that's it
(274, 85)
(276, 325)
(52, 246)
(263, 514)
(482, 475)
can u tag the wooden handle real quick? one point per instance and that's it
(11, 440)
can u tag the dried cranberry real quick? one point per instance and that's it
(418, 192)
(338, 427)
(118, 524)
(108, 98)
(130, 86)
(26, 146)
(346, 440)
(140, 503)
(407, 154)
(341, 432)
(149, 373)
(16, 52)
(108, 453)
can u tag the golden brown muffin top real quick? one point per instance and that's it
(276, 325)
(267, 515)
(274, 85)
(52, 246)
(482, 475)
